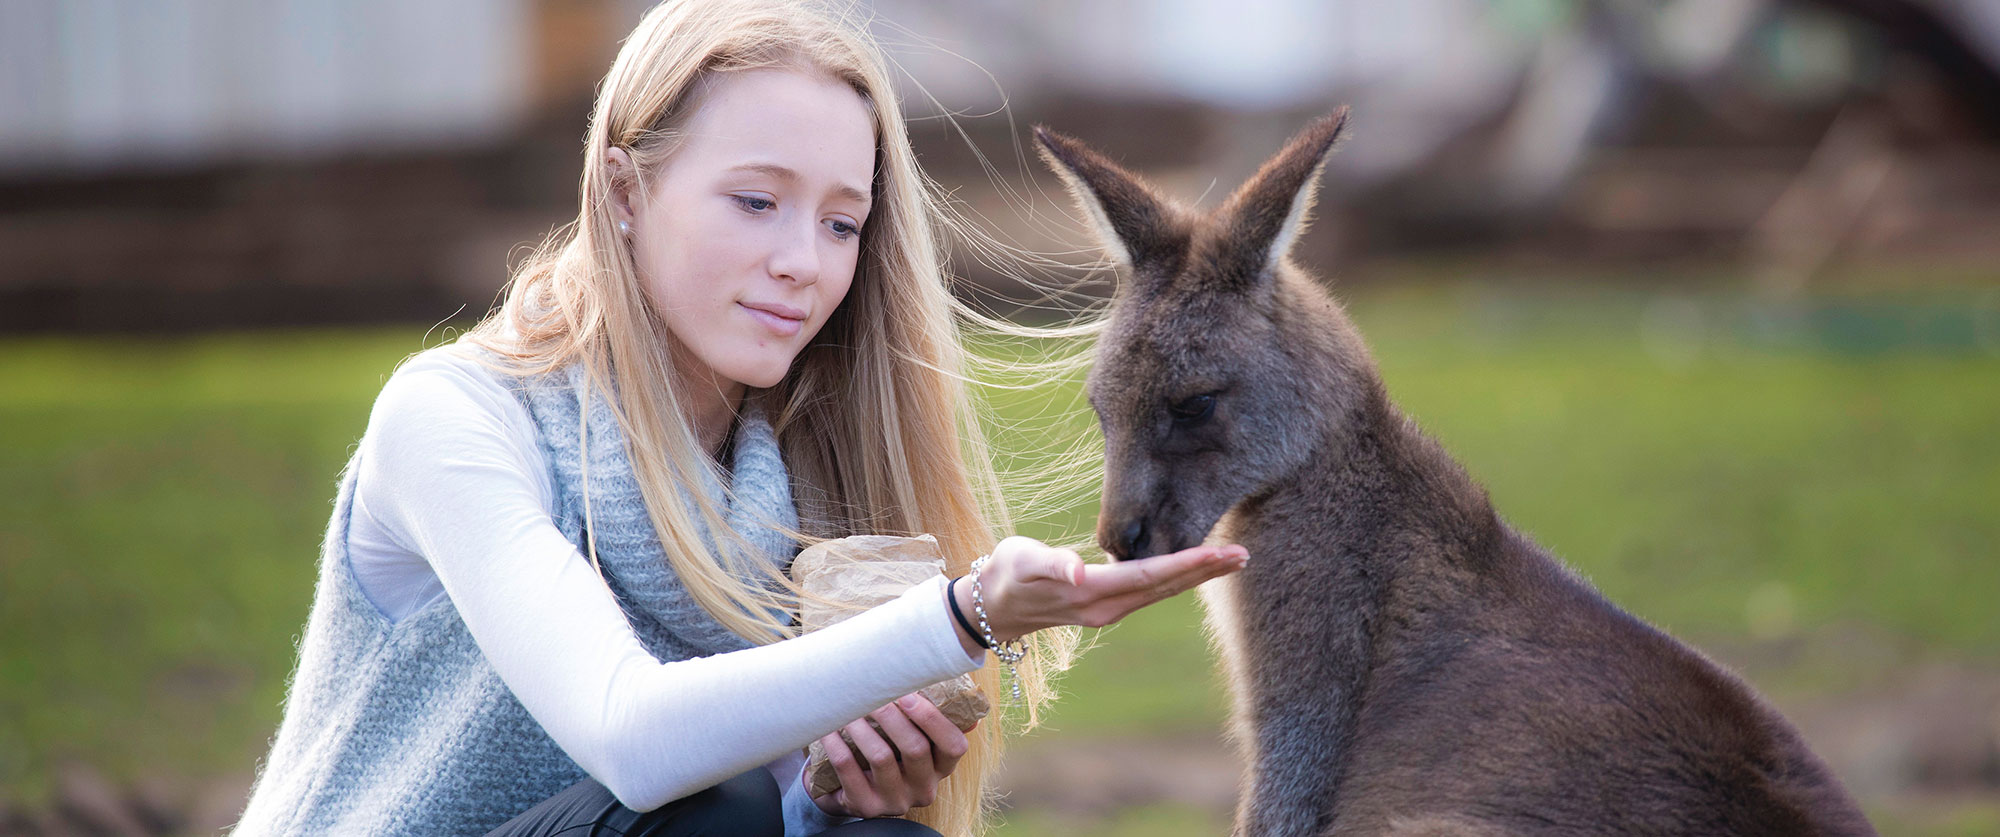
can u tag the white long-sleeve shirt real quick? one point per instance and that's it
(453, 500)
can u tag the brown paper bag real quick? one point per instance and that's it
(854, 574)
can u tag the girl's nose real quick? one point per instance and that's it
(796, 257)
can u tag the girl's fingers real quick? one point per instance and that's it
(911, 743)
(919, 773)
(885, 776)
(1060, 565)
(1167, 573)
(947, 743)
(1034, 560)
(876, 752)
(846, 765)
(1116, 607)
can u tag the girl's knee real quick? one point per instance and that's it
(748, 804)
(883, 828)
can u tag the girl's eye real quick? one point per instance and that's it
(843, 230)
(753, 203)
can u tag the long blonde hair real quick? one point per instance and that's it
(874, 419)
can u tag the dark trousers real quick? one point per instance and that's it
(748, 805)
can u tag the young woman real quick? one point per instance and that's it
(553, 594)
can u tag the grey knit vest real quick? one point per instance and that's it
(405, 728)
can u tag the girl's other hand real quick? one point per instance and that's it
(1029, 585)
(885, 780)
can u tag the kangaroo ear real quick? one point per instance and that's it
(1269, 212)
(1136, 225)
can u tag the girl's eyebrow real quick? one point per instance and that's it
(782, 173)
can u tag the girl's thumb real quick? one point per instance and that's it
(1063, 565)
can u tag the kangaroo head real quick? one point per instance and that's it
(1224, 369)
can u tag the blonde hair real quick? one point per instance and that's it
(874, 419)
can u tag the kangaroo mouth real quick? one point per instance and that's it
(1161, 530)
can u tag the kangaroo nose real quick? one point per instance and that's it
(1132, 538)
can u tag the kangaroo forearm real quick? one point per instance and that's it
(1303, 687)
(1291, 794)
(1302, 711)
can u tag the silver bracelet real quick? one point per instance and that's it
(1010, 653)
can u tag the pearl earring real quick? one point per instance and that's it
(625, 228)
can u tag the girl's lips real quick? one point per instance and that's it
(775, 320)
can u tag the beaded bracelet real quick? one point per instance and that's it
(1012, 651)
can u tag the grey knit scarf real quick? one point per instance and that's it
(666, 617)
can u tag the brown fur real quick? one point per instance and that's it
(1401, 661)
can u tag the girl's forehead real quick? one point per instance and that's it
(808, 123)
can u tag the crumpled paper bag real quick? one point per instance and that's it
(854, 574)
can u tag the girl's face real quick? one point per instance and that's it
(748, 237)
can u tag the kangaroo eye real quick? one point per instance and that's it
(1191, 410)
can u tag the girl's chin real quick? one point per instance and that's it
(755, 363)
(762, 375)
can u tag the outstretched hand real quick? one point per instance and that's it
(1028, 585)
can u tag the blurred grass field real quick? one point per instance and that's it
(1736, 472)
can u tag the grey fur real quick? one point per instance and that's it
(1400, 660)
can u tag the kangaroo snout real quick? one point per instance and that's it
(1130, 517)
(1145, 513)
(1144, 533)
(1123, 539)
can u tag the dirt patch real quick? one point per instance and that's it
(1937, 732)
(1919, 743)
(1923, 737)
(1091, 777)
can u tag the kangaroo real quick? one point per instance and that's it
(1400, 660)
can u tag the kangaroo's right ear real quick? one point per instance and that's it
(1137, 226)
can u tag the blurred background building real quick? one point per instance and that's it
(200, 163)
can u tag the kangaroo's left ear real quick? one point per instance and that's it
(1139, 229)
(1267, 214)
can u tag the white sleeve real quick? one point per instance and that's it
(651, 732)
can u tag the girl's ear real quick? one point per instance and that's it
(624, 183)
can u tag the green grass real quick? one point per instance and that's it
(163, 504)
(1962, 817)
(1710, 478)
(1727, 471)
